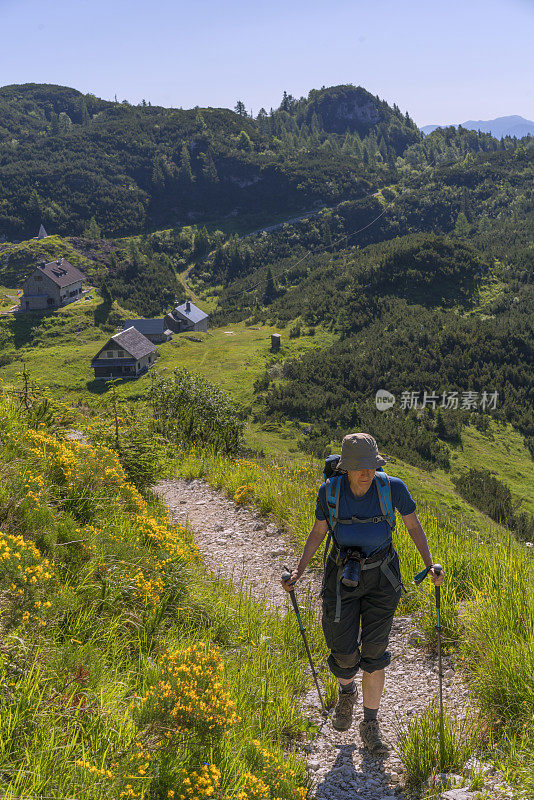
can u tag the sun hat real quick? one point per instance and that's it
(360, 451)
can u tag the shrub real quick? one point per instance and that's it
(481, 488)
(294, 331)
(189, 409)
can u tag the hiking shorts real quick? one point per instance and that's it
(374, 601)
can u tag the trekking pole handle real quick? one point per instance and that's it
(438, 569)
(285, 577)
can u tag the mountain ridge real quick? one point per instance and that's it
(499, 127)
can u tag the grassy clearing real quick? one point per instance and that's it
(125, 670)
(8, 297)
(502, 450)
(57, 349)
(487, 605)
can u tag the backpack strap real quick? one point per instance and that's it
(333, 485)
(384, 497)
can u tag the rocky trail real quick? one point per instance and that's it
(239, 545)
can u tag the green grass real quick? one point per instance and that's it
(425, 753)
(502, 450)
(99, 595)
(8, 297)
(490, 288)
(487, 603)
(57, 350)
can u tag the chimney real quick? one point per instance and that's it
(187, 305)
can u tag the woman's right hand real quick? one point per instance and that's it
(290, 584)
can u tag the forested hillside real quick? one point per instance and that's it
(66, 158)
(331, 212)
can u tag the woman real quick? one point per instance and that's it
(362, 575)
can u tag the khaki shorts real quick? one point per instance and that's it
(374, 601)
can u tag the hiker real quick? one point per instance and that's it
(362, 574)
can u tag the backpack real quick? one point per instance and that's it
(333, 484)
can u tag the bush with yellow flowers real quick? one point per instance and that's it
(243, 495)
(106, 596)
(86, 479)
(26, 575)
(189, 695)
(204, 783)
(275, 769)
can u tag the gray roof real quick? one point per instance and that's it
(133, 342)
(61, 272)
(151, 327)
(193, 315)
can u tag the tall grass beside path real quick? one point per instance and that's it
(125, 670)
(487, 605)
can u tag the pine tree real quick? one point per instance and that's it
(106, 294)
(244, 141)
(209, 170)
(240, 109)
(93, 231)
(54, 123)
(269, 293)
(158, 176)
(201, 243)
(462, 226)
(186, 173)
(85, 115)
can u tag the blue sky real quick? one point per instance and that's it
(443, 61)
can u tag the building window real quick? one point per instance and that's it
(110, 354)
(38, 277)
(121, 354)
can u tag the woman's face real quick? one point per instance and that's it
(363, 477)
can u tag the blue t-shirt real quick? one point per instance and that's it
(369, 536)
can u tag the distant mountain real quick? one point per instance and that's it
(499, 127)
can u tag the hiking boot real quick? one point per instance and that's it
(370, 733)
(342, 716)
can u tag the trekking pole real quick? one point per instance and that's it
(437, 569)
(417, 580)
(285, 577)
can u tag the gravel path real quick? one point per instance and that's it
(238, 544)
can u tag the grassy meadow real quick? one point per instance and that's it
(126, 670)
(56, 351)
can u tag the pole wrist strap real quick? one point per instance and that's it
(419, 578)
